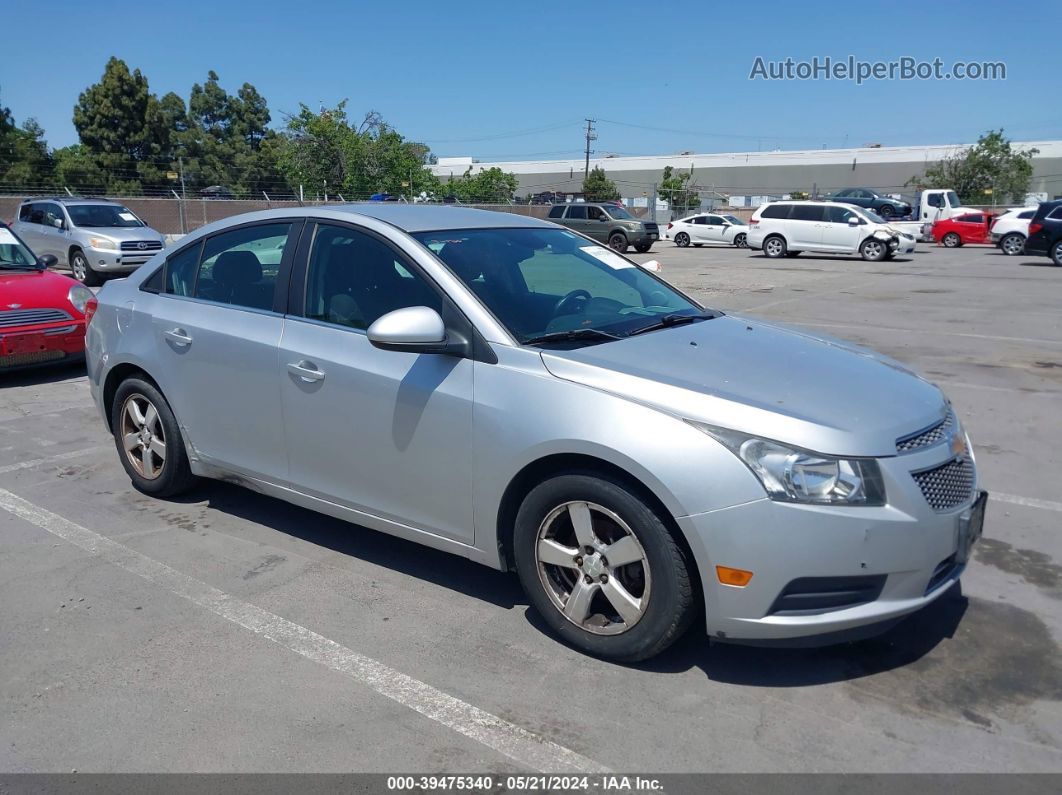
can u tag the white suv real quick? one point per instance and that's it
(1010, 230)
(784, 229)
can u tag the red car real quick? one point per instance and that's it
(968, 228)
(43, 314)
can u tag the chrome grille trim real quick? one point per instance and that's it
(10, 318)
(927, 437)
(134, 245)
(947, 485)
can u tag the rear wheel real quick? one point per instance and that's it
(617, 241)
(682, 240)
(1056, 253)
(951, 240)
(774, 247)
(1012, 244)
(148, 440)
(741, 240)
(874, 250)
(601, 568)
(82, 270)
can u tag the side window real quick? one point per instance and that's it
(353, 278)
(594, 213)
(240, 267)
(577, 211)
(935, 200)
(25, 212)
(806, 212)
(1056, 213)
(52, 213)
(556, 211)
(37, 214)
(776, 211)
(181, 269)
(1026, 215)
(972, 219)
(839, 215)
(698, 220)
(714, 220)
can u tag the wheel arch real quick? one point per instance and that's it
(115, 376)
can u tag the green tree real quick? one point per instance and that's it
(675, 189)
(488, 186)
(24, 158)
(597, 187)
(78, 169)
(991, 164)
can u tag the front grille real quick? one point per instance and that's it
(928, 437)
(652, 227)
(947, 486)
(810, 595)
(141, 245)
(10, 318)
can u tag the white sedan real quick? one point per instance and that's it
(697, 230)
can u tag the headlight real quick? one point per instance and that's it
(102, 243)
(79, 296)
(792, 475)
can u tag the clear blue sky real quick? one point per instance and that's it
(450, 72)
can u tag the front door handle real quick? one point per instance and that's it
(178, 335)
(306, 370)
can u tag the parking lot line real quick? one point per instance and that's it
(58, 457)
(520, 745)
(1028, 502)
(993, 337)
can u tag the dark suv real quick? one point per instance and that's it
(1045, 232)
(885, 206)
(609, 223)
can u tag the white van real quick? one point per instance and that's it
(786, 228)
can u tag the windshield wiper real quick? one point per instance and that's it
(667, 321)
(574, 334)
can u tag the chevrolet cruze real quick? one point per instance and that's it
(508, 390)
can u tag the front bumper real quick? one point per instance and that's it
(898, 558)
(41, 345)
(111, 261)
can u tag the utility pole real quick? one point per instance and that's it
(180, 162)
(590, 136)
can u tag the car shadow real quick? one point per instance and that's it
(1043, 263)
(52, 373)
(415, 560)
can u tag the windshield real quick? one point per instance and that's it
(547, 281)
(953, 198)
(101, 215)
(617, 213)
(14, 255)
(734, 220)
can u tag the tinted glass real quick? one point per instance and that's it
(807, 212)
(839, 215)
(240, 267)
(102, 215)
(776, 211)
(973, 219)
(714, 220)
(36, 214)
(539, 281)
(556, 212)
(594, 213)
(1027, 214)
(698, 220)
(180, 270)
(1056, 213)
(577, 212)
(24, 212)
(354, 278)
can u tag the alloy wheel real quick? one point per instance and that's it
(741, 241)
(1013, 245)
(682, 240)
(143, 436)
(873, 250)
(774, 247)
(951, 240)
(593, 568)
(79, 266)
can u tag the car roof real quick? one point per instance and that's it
(425, 218)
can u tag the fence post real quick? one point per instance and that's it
(652, 200)
(180, 211)
(268, 202)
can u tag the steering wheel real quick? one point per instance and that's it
(562, 307)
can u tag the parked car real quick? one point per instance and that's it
(787, 228)
(42, 313)
(93, 237)
(607, 223)
(708, 228)
(885, 206)
(1045, 232)
(1010, 229)
(216, 192)
(969, 228)
(637, 458)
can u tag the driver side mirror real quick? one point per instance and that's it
(602, 218)
(414, 329)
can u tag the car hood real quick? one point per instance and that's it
(781, 383)
(35, 290)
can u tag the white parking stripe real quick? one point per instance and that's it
(36, 462)
(1028, 502)
(520, 745)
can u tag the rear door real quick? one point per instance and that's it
(804, 226)
(217, 328)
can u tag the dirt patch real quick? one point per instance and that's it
(1034, 567)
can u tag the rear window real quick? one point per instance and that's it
(1056, 213)
(806, 212)
(556, 212)
(1027, 214)
(776, 211)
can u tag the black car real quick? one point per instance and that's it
(885, 206)
(1045, 232)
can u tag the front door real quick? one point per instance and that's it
(384, 432)
(217, 334)
(837, 233)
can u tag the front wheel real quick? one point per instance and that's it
(618, 242)
(643, 248)
(601, 567)
(682, 240)
(951, 240)
(886, 212)
(82, 270)
(774, 247)
(741, 240)
(148, 440)
(874, 250)
(1012, 244)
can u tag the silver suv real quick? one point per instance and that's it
(94, 237)
(507, 390)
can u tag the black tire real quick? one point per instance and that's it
(617, 241)
(682, 240)
(174, 476)
(741, 240)
(774, 247)
(698, 245)
(1012, 244)
(1056, 253)
(886, 212)
(643, 248)
(873, 250)
(671, 604)
(82, 271)
(951, 240)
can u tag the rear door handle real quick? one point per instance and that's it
(178, 335)
(306, 370)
